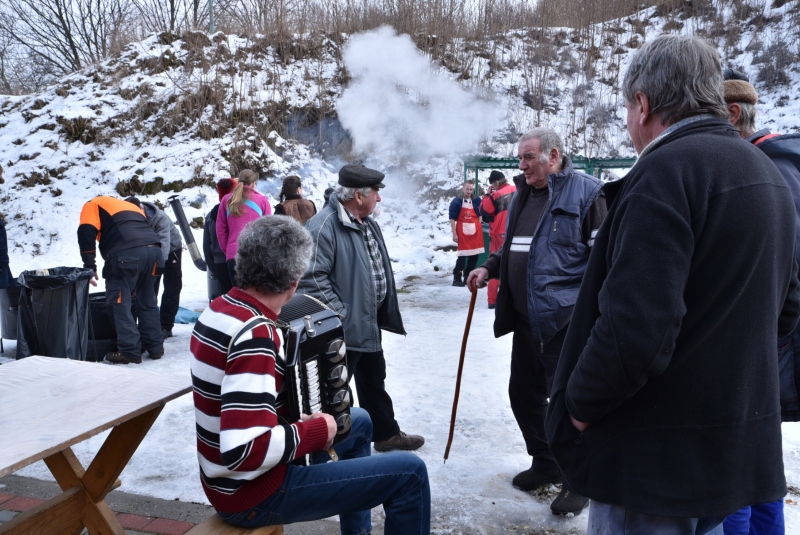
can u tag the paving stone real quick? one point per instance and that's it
(5, 497)
(168, 527)
(5, 516)
(22, 503)
(130, 521)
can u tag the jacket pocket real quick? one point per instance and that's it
(126, 267)
(565, 229)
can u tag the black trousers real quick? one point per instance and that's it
(532, 373)
(232, 271)
(465, 264)
(224, 277)
(369, 371)
(173, 283)
(124, 272)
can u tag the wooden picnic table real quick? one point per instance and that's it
(49, 404)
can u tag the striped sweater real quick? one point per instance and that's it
(238, 397)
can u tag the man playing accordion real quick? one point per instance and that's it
(245, 444)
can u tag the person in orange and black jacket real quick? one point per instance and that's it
(132, 255)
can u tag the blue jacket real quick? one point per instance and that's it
(557, 257)
(784, 151)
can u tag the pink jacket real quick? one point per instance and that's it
(229, 227)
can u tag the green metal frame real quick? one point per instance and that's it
(591, 165)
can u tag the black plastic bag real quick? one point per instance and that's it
(53, 313)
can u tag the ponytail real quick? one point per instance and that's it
(239, 194)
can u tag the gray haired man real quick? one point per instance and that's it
(665, 407)
(552, 220)
(350, 272)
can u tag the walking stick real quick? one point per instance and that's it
(460, 368)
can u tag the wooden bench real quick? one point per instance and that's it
(216, 526)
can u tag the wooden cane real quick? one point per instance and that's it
(460, 368)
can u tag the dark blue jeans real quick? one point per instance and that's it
(350, 488)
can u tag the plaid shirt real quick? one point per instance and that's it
(376, 260)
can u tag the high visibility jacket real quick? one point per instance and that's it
(115, 224)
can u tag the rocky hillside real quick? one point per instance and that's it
(173, 113)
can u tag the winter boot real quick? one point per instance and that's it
(457, 279)
(568, 501)
(530, 480)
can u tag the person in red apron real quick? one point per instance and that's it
(465, 222)
(494, 210)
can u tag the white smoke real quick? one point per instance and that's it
(399, 103)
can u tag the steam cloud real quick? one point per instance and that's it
(398, 104)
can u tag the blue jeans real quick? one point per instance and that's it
(605, 519)
(762, 519)
(350, 488)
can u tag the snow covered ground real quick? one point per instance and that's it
(472, 492)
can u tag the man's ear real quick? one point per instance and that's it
(735, 112)
(642, 101)
(555, 157)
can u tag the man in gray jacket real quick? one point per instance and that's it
(171, 247)
(346, 241)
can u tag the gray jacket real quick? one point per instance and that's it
(340, 276)
(168, 234)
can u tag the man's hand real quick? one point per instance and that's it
(331, 425)
(580, 426)
(455, 236)
(477, 278)
(93, 279)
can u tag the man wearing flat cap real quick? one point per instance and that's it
(347, 240)
(784, 151)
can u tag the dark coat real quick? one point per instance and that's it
(340, 276)
(557, 257)
(6, 279)
(784, 151)
(670, 354)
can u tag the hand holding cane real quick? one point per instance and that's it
(474, 290)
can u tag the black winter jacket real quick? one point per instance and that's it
(671, 354)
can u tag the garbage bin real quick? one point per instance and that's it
(54, 312)
(102, 332)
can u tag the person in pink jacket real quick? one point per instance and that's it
(236, 209)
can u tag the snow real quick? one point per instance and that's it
(400, 110)
(471, 492)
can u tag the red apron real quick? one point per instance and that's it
(468, 228)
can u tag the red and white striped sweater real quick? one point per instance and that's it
(238, 395)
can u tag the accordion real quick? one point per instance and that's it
(316, 362)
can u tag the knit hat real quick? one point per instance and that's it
(496, 176)
(225, 186)
(738, 87)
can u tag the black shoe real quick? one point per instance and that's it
(155, 356)
(457, 279)
(530, 480)
(491, 306)
(115, 357)
(400, 441)
(166, 333)
(568, 502)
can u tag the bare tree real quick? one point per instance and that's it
(66, 33)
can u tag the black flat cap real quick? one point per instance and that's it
(358, 176)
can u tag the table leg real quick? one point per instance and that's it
(83, 502)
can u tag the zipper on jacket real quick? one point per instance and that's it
(530, 257)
